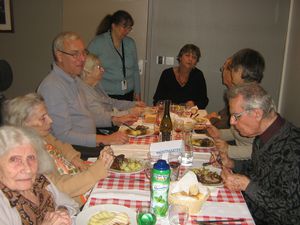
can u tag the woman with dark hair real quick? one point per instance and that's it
(118, 55)
(183, 84)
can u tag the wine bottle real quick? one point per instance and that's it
(166, 123)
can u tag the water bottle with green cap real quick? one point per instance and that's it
(160, 182)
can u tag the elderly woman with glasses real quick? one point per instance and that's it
(118, 54)
(72, 175)
(26, 195)
(183, 84)
(111, 111)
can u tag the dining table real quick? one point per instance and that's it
(132, 190)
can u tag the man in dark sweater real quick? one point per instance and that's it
(270, 180)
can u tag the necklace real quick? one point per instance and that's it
(182, 80)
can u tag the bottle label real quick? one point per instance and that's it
(165, 136)
(159, 193)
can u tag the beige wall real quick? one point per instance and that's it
(28, 49)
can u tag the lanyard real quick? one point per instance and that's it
(122, 57)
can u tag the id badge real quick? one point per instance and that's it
(124, 85)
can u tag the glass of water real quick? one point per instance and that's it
(187, 155)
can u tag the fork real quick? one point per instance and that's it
(131, 128)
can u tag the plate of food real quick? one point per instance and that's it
(123, 165)
(208, 176)
(138, 131)
(106, 214)
(202, 141)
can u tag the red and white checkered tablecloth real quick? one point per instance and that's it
(154, 138)
(139, 181)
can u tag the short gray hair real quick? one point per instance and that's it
(58, 43)
(17, 110)
(90, 62)
(11, 137)
(255, 97)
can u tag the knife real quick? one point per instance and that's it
(202, 222)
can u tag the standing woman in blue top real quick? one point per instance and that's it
(118, 55)
(183, 84)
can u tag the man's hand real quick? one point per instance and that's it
(128, 119)
(115, 138)
(213, 132)
(221, 145)
(234, 182)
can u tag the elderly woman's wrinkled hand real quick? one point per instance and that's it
(58, 217)
(234, 182)
(107, 156)
(79, 163)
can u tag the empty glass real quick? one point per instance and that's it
(178, 215)
(187, 155)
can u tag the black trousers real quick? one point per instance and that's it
(87, 152)
(128, 96)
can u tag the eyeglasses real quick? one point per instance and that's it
(100, 67)
(127, 27)
(76, 54)
(237, 116)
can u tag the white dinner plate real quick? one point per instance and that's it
(131, 172)
(84, 216)
(202, 136)
(149, 131)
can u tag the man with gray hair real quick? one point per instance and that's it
(67, 106)
(270, 179)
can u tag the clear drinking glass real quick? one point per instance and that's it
(178, 128)
(174, 160)
(187, 155)
(178, 215)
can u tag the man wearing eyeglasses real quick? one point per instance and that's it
(270, 179)
(245, 66)
(67, 106)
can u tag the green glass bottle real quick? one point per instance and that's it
(166, 123)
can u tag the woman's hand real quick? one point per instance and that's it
(106, 155)
(58, 217)
(79, 163)
(234, 182)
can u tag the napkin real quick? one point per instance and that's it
(188, 180)
(225, 209)
(136, 195)
(137, 151)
